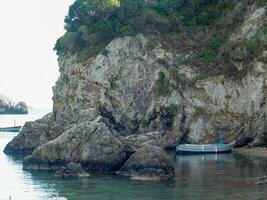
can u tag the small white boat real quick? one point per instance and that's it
(205, 148)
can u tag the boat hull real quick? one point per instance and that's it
(11, 129)
(204, 149)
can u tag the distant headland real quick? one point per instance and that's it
(8, 106)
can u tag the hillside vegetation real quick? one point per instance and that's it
(202, 27)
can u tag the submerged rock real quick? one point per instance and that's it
(148, 163)
(72, 170)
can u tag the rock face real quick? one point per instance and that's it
(91, 144)
(132, 95)
(33, 135)
(7, 106)
(148, 163)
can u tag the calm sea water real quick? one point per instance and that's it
(209, 177)
(19, 120)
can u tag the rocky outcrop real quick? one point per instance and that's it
(237, 107)
(148, 163)
(7, 106)
(33, 135)
(92, 144)
(132, 95)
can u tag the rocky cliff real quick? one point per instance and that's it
(135, 94)
(7, 106)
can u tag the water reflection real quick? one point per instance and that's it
(16, 182)
(205, 177)
(220, 176)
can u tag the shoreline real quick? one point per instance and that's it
(253, 151)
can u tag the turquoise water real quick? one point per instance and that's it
(206, 177)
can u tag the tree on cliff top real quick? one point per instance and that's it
(94, 23)
(199, 26)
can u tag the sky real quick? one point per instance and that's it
(28, 64)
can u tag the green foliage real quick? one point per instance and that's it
(113, 83)
(226, 5)
(256, 44)
(69, 39)
(211, 48)
(173, 109)
(161, 78)
(94, 23)
(195, 17)
(162, 84)
(202, 27)
(251, 45)
(127, 30)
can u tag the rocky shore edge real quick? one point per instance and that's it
(149, 163)
(89, 147)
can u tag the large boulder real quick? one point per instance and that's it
(33, 135)
(149, 163)
(92, 144)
